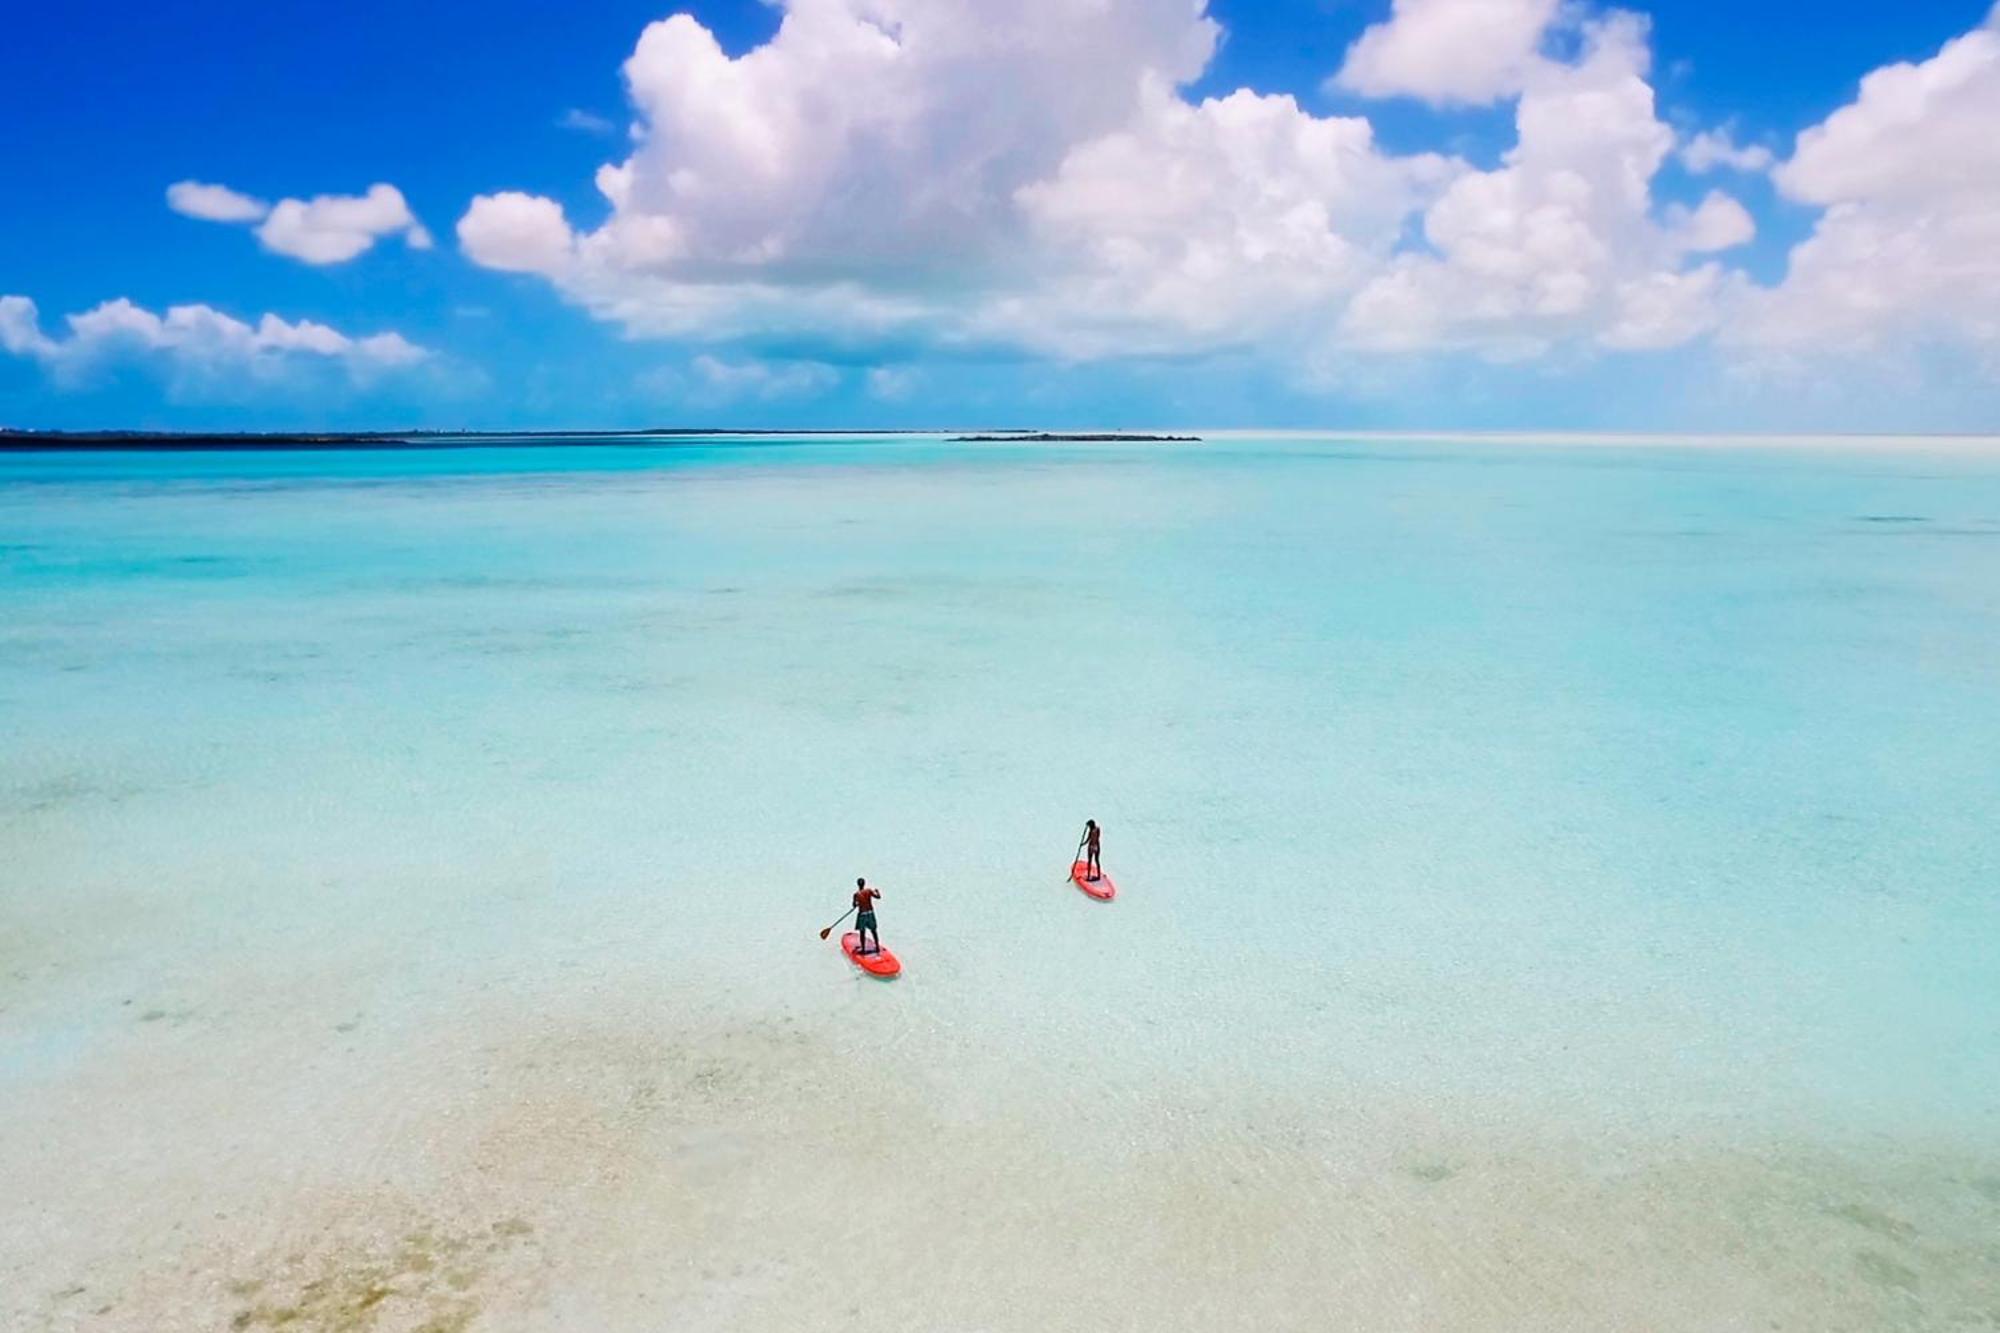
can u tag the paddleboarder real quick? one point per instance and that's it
(1091, 836)
(864, 918)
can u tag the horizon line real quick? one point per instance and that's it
(31, 439)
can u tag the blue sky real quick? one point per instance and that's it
(1469, 213)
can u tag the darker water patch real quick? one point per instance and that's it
(518, 583)
(1875, 1220)
(194, 567)
(1880, 1270)
(863, 592)
(1929, 529)
(66, 789)
(1890, 518)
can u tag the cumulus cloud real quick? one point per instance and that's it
(1717, 223)
(868, 130)
(517, 233)
(1712, 150)
(326, 229)
(334, 228)
(214, 203)
(1907, 251)
(194, 343)
(1449, 51)
(885, 173)
(1206, 225)
(884, 177)
(857, 172)
(1561, 242)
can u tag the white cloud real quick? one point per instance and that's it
(713, 381)
(728, 380)
(1924, 130)
(1211, 224)
(895, 172)
(1449, 51)
(891, 384)
(20, 328)
(518, 233)
(194, 343)
(585, 122)
(1559, 243)
(855, 173)
(1717, 223)
(1711, 150)
(326, 229)
(866, 131)
(1908, 250)
(1663, 308)
(214, 203)
(334, 228)
(889, 175)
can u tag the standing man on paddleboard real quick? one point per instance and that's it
(864, 918)
(1091, 836)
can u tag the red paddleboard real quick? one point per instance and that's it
(1100, 888)
(879, 964)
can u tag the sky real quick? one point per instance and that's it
(1344, 214)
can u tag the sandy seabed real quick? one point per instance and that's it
(543, 1162)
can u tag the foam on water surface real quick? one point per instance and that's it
(1552, 881)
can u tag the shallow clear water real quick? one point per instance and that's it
(1462, 797)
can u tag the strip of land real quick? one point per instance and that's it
(27, 441)
(1054, 437)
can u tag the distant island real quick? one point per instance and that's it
(42, 441)
(1054, 437)
(24, 441)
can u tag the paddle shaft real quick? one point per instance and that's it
(843, 916)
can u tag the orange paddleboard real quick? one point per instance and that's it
(881, 963)
(1100, 888)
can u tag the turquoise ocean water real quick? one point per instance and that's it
(1626, 794)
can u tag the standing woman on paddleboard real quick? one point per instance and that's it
(1091, 837)
(864, 918)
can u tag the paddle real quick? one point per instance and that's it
(843, 916)
(1076, 856)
